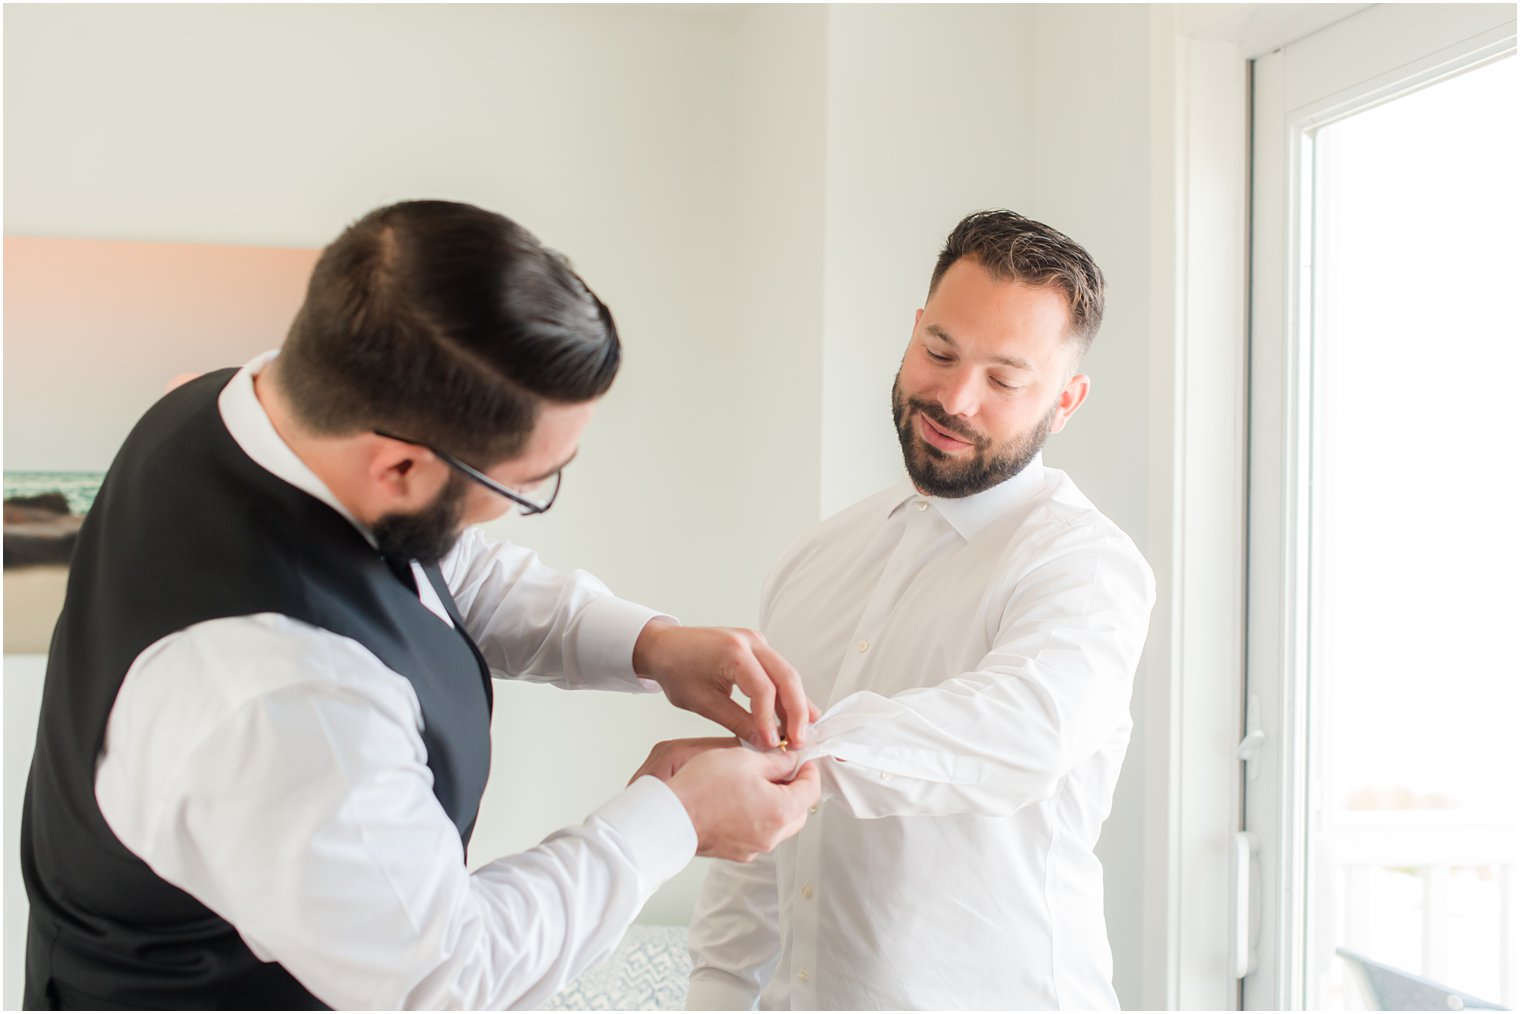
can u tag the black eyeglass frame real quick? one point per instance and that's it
(470, 472)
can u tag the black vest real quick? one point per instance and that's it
(188, 528)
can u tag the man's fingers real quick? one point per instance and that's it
(777, 765)
(729, 714)
(802, 792)
(807, 782)
(657, 764)
(792, 698)
(756, 684)
(677, 753)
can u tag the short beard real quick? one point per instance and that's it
(936, 473)
(428, 535)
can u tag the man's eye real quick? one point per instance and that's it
(936, 356)
(1002, 385)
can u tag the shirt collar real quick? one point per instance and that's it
(250, 426)
(968, 515)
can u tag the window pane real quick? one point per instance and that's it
(1415, 555)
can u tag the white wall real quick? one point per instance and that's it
(758, 193)
(1091, 101)
(928, 120)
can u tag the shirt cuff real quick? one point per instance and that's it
(607, 630)
(711, 989)
(655, 828)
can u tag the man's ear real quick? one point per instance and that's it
(405, 476)
(1072, 397)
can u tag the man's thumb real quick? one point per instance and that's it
(779, 765)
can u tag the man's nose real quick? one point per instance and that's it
(958, 393)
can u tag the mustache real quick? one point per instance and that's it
(937, 416)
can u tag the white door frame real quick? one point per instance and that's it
(1200, 168)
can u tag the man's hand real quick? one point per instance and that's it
(741, 802)
(698, 667)
(670, 756)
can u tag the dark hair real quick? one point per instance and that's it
(447, 324)
(1016, 248)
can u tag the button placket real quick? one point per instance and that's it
(805, 917)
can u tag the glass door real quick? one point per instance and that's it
(1382, 789)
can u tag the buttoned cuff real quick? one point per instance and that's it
(714, 990)
(655, 828)
(607, 630)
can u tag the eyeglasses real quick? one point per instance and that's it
(528, 506)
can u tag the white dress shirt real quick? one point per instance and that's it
(276, 772)
(976, 658)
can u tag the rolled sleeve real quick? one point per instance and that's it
(1052, 690)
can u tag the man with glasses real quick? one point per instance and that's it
(536, 495)
(265, 726)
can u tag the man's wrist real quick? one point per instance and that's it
(646, 647)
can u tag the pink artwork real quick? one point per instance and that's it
(95, 332)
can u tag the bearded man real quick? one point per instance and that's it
(973, 634)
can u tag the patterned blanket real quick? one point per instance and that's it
(648, 971)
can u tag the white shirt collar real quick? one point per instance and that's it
(968, 515)
(249, 425)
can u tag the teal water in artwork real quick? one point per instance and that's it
(79, 487)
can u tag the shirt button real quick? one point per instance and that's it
(807, 890)
(802, 975)
(886, 776)
(862, 645)
(812, 809)
(923, 506)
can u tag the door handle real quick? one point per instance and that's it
(1243, 954)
